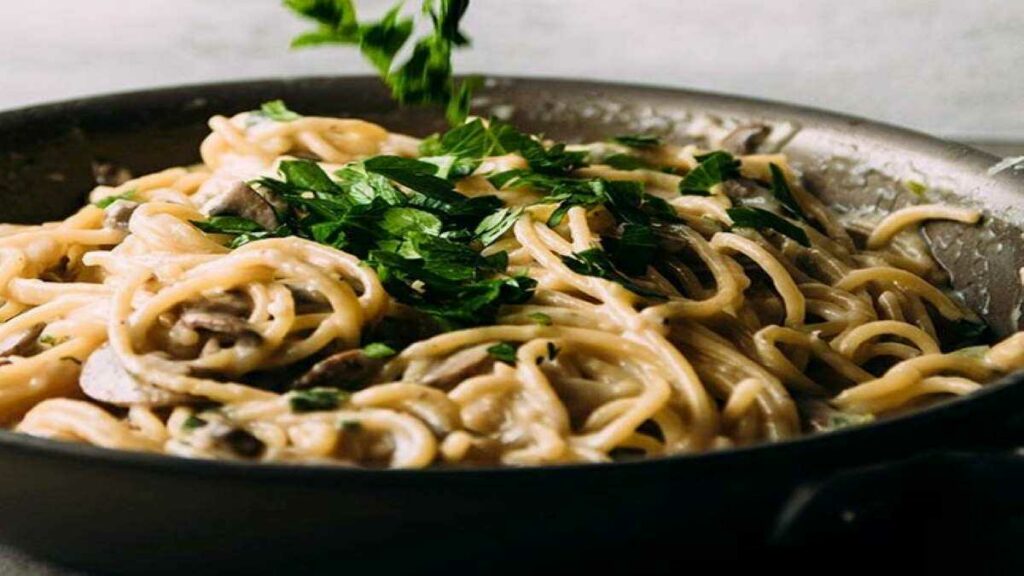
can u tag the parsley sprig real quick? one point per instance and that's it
(425, 77)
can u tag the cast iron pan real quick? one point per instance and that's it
(125, 512)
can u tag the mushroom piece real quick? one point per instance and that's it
(104, 379)
(745, 139)
(348, 370)
(22, 343)
(241, 200)
(225, 325)
(118, 214)
(459, 366)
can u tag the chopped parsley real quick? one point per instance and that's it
(193, 422)
(760, 219)
(378, 350)
(503, 352)
(50, 340)
(638, 140)
(316, 399)
(627, 162)
(105, 202)
(277, 111)
(782, 193)
(539, 318)
(425, 77)
(494, 226)
(595, 262)
(712, 169)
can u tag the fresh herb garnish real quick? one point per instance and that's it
(193, 422)
(378, 350)
(638, 140)
(277, 111)
(595, 262)
(712, 169)
(759, 219)
(425, 77)
(50, 340)
(782, 193)
(105, 202)
(494, 226)
(627, 162)
(539, 318)
(504, 352)
(316, 399)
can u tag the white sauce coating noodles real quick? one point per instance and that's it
(759, 338)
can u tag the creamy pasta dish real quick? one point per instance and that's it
(320, 290)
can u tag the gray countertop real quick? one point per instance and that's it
(947, 67)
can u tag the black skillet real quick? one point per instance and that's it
(124, 512)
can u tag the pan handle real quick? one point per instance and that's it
(955, 496)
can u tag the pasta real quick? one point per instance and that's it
(196, 312)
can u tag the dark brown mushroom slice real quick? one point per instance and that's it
(118, 214)
(459, 366)
(240, 442)
(241, 200)
(232, 303)
(105, 379)
(745, 139)
(348, 370)
(22, 343)
(308, 301)
(225, 326)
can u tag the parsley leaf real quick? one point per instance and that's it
(782, 193)
(712, 169)
(316, 399)
(105, 202)
(503, 352)
(539, 318)
(378, 350)
(595, 262)
(638, 140)
(494, 226)
(627, 162)
(426, 75)
(760, 219)
(277, 111)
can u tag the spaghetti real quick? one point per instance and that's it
(137, 324)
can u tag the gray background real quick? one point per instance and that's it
(950, 67)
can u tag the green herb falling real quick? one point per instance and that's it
(425, 77)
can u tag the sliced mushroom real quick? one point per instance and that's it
(226, 303)
(459, 366)
(22, 343)
(227, 327)
(105, 379)
(745, 139)
(308, 301)
(118, 214)
(241, 443)
(241, 200)
(348, 370)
